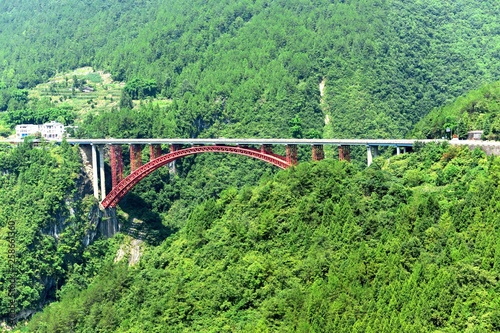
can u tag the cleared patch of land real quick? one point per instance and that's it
(85, 90)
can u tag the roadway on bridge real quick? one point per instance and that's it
(255, 141)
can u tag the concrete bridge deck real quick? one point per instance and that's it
(257, 141)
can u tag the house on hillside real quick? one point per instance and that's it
(26, 130)
(49, 131)
(87, 89)
(474, 135)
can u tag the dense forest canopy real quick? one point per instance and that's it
(38, 191)
(248, 67)
(477, 110)
(231, 244)
(409, 245)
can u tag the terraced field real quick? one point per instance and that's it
(83, 89)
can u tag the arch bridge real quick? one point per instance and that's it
(180, 148)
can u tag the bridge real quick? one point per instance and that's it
(179, 148)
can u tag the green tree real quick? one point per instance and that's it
(296, 127)
(126, 100)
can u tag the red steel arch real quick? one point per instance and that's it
(135, 177)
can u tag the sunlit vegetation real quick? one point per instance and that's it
(477, 110)
(249, 67)
(408, 245)
(38, 187)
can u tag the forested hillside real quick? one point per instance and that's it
(409, 245)
(248, 67)
(42, 197)
(477, 110)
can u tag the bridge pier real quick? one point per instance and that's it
(101, 172)
(174, 147)
(318, 153)
(266, 149)
(154, 152)
(398, 150)
(171, 166)
(344, 153)
(135, 157)
(291, 154)
(369, 157)
(371, 153)
(95, 181)
(116, 161)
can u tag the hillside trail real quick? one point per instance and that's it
(322, 102)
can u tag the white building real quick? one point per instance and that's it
(474, 135)
(25, 130)
(49, 131)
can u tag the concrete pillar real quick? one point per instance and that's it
(116, 161)
(318, 153)
(171, 166)
(101, 171)
(398, 150)
(369, 156)
(291, 154)
(95, 181)
(344, 153)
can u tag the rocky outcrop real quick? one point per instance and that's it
(132, 251)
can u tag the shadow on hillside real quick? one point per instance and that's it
(140, 222)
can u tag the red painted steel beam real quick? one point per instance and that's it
(344, 153)
(135, 157)
(131, 180)
(318, 153)
(154, 152)
(116, 164)
(174, 148)
(291, 154)
(158, 151)
(266, 149)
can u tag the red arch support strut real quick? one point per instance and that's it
(120, 190)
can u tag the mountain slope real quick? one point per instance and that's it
(248, 67)
(319, 247)
(409, 246)
(477, 110)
